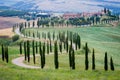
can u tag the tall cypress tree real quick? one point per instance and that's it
(6, 54)
(25, 53)
(43, 54)
(105, 62)
(28, 24)
(50, 46)
(47, 47)
(66, 44)
(53, 35)
(79, 42)
(70, 59)
(56, 55)
(33, 46)
(86, 57)
(20, 48)
(3, 52)
(112, 64)
(36, 48)
(28, 50)
(93, 60)
(73, 59)
(33, 24)
(60, 46)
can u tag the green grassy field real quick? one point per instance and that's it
(102, 39)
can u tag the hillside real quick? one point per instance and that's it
(62, 5)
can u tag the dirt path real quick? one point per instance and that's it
(19, 62)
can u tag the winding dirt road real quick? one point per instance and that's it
(19, 62)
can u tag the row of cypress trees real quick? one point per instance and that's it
(63, 37)
(93, 60)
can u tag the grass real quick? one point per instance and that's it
(101, 38)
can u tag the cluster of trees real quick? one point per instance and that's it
(64, 37)
(5, 55)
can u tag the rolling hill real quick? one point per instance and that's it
(63, 5)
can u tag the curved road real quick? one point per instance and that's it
(19, 62)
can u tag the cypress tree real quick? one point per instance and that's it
(86, 57)
(36, 48)
(111, 64)
(67, 44)
(56, 55)
(50, 46)
(93, 60)
(28, 24)
(28, 50)
(60, 46)
(20, 48)
(33, 46)
(25, 51)
(33, 35)
(33, 23)
(79, 42)
(53, 35)
(3, 52)
(105, 62)
(43, 54)
(6, 54)
(70, 59)
(47, 47)
(73, 59)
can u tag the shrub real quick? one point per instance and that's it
(15, 38)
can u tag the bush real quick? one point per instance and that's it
(15, 38)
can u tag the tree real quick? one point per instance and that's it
(56, 62)
(25, 51)
(50, 46)
(105, 62)
(111, 64)
(60, 46)
(47, 47)
(28, 24)
(73, 58)
(93, 60)
(38, 23)
(36, 48)
(33, 24)
(86, 57)
(20, 48)
(53, 35)
(6, 54)
(67, 45)
(3, 52)
(70, 59)
(43, 54)
(79, 42)
(28, 50)
(33, 35)
(33, 46)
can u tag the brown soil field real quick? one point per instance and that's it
(6, 24)
(5, 33)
